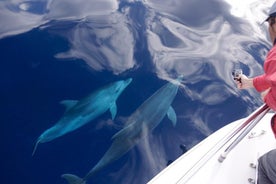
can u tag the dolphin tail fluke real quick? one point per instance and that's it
(73, 179)
(35, 147)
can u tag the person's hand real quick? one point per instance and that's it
(264, 93)
(243, 82)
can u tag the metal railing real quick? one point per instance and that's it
(250, 124)
(246, 126)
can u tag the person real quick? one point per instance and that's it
(266, 85)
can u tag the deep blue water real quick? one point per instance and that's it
(57, 50)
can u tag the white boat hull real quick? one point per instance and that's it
(200, 164)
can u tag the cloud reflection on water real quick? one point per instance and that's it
(178, 40)
(103, 42)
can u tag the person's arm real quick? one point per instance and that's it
(260, 83)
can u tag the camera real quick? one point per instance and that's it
(236, 73)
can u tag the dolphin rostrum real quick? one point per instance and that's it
(79, 113)
(143, 120)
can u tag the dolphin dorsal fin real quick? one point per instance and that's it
(69, 103)
(172, 115)
(113, 110)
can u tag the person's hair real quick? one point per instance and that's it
(272, 20)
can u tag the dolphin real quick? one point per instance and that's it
(79, 113)
(139, 124)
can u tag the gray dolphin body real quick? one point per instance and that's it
(79, 113)
(139, 124)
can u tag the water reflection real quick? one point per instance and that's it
(201, 40)
(177, 39)
(104, 42)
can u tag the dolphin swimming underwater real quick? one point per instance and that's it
(79, 113)
(139, 124)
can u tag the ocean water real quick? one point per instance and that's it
(53, 51)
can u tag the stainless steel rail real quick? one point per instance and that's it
(246, 130)
(226, 139)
